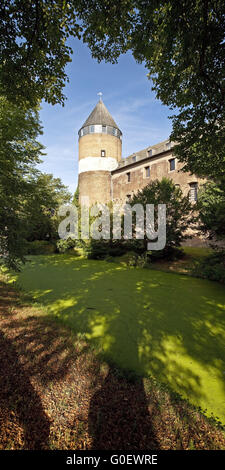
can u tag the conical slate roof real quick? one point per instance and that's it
(100, 115)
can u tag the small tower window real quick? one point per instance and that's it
(92, 129)
(134, 158)
(168, 146)
(114, 131)
(147, 171)
(150, 153)
(172, 164)
(104, 129)
(102, 153)
(128, 177)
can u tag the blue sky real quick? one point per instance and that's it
(127, 94)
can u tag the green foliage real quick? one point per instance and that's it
(65, 245)
(27, 197)
(211, 267)
(101, 249)
(40, 208)
(178, 214)
(39, 247)
(34, 51)
(19, 153)
(211, 207)
(182, 46)
(133, 259)
(75, 200)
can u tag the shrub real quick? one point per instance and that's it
(212, 267)
(100, 249)
(171, 253)
(178, 215)
(64, 245)
(39, 247)
(211, 207)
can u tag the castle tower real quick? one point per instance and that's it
(100, 148)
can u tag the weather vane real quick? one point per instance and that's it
(100, 95)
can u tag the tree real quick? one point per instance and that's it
(178, 213)
(34, 51)
(183, 47)
(39, 209)
(19, 153)
(178, 220)
(28, 198)
(181, 43)
(211, 206)
(76, 197)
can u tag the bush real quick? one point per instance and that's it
(212, 267)
(64, 245)
(170, 253)
(178, 219)
(211, 207)
(100, 249)
(134, 259)
(179, 215)
(39, 247)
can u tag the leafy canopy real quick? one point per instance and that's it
(178, 210)
(19, 153)
(183, 47)
(26, 195)
(181, 43)
(34, 51)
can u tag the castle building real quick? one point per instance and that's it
(104, 176)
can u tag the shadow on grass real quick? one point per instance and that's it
(18, 396)
(119, 417)
(34, 352)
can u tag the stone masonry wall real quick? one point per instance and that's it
(91, 145)
(159, 168)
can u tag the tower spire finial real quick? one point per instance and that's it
(100, 95)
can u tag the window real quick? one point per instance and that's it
(128, 198)
(193, 192)
(102, 153)
(168, 146)
(104, 129)
(150, 153)
(128, 177)
(172, 164)
(81, 132)
(92, 129)
(134, 158)
(114, 131)
(147, 171)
